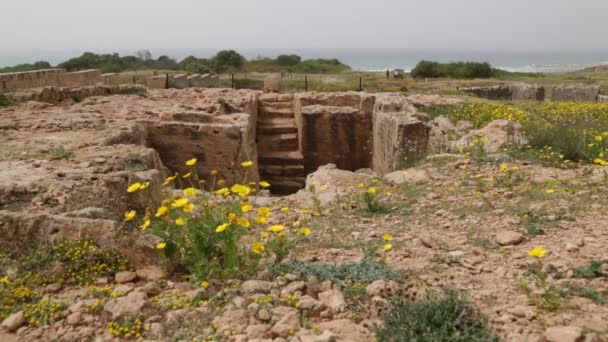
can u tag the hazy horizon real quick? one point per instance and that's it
(466, 24)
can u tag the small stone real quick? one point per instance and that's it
(150, 273)
(74, 318)
(508, 194)
(257, 286)
(426, 240)
(257, 331)
(333, 299)
(14, 321)
(293, 287)
(564, 334)
(264, 315)
(52, 288)
(125, 277)
(456, 254)
(509, 238)
(286, 325)
(156, 329)
(570, 247)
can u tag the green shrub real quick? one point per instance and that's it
(5, 101)
(429, 69)
(435, 319)
(321, 66)
(27, 67)
(365, 271)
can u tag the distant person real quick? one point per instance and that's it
(388, 74)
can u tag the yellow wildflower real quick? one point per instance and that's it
(257, 248)
(223, 192)
(161, 245)
(537, 252)
(145, 225)
(248, 163)
(246, 207)
(599, 138)
(241, 190)
(264, 212)
(375, 180)
(180, 221)
(221, 228)
(388, 247)
(243, 222)
(276, 228)
(187, 175)
(371, 190)
(134, 187)
(161, 211)
(264, 235)
(205, 284)
(179, 203)
(231, 217)
(264, 184)
(129, 215)
(260, 219)
(191, 162)
(285, 209)
(4, 280)
(324, 187)
(550, 191)
(169, 180)
(305, 231)
(361, 185)
(504, 168)
(387, 237)
(145, 186)
(190, 192)
(188, 207)
(213, 172)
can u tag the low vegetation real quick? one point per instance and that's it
(559, 133)
(438, 318)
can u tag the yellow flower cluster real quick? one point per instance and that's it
(176, 301)
(43, 312)
(126, 328)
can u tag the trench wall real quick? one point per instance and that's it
(16, 81)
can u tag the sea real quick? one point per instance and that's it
(365, 59)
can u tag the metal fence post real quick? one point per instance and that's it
(232, 78)
(305, 83)
(360, 83)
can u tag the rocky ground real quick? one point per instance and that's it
(454, 221)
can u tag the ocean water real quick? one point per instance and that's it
(363, 58)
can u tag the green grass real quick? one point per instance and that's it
(61, 153)
(5, 101)
(361, 272)
(444, 318)
(134, 162)
(594, 270)
(572, 289)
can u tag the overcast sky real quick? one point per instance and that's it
(469, 24)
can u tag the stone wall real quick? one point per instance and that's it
(76, 94)
(602, 98)
(179, 81)
(400, 133)
(111, 79)
(335, 128)
(80, 78)
(578, 93)
(156, 82)
(527, 92)
(13, 82)
(203, 81)
(497, 92)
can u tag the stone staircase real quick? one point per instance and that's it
(280, 161)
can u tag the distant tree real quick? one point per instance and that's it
(165, 63)
(27, 67)
(288, 60)
(144, 55)
(426, 69)
(195, 65)
(228, 59)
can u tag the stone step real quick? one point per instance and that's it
(276, 126)
(276, 113)
(282, 170)
(281, 158)
(285, 185)
(278, 142)
(276, 105)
